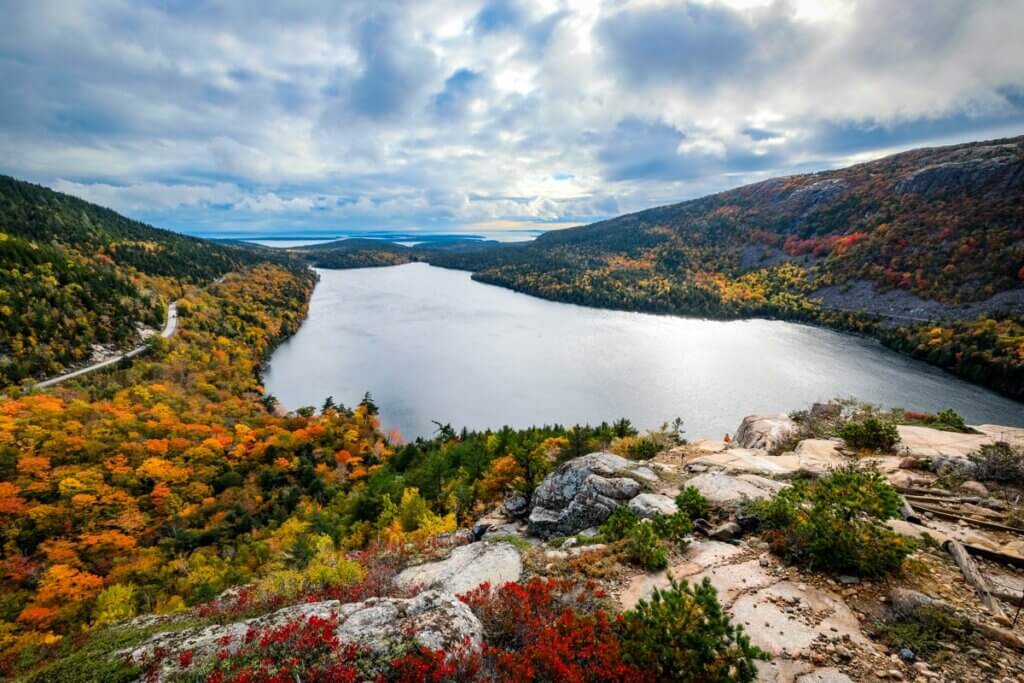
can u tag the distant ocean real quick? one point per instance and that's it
(409, 238)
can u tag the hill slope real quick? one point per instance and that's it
(75, 275)
(883, 247)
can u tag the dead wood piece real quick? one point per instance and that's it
(917, 491)
(1015, 598)
(1004, 636)
(975, 579)
(922, 496)
(908, 513)
(956, 516)
(995, 555)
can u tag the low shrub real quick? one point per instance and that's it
(643, 449)
(644, 539)
(682, 634)
(923, 631)
(619, 524)
(693, 503)
(871, 433)
(835, 523)
(438, 666)
(673, 528)
(949, 420)
(645, 548)
(999, 462)
(597, 563)
(303, 649)
(547, 630)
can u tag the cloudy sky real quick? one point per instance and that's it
(318, 115)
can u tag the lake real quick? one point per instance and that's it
(432, 344)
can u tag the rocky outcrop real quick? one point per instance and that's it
(1000, 175)
(765, 432)
(728, 491)
(516, 506)
(939, 446)
(741, 461)
(466, 568)
(648, 505)
(583, 492)
(431, 619)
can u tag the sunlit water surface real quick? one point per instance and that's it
(431, 344)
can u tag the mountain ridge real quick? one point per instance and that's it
(923, 249)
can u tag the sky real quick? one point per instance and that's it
(269, 117)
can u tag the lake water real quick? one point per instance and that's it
(431, 344)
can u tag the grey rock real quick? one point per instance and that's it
(466, 568)
(726, 531)
(648, 505)
(479, 530)
(728, 491)
(645, 475)
(516, 505)
(906, 602)
(510, 528)
(766, 432)
(826, 675)
(583, 492)
(975, 488)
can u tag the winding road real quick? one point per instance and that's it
(169, 329)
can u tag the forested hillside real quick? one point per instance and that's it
(939, 232)
(157, 486)
(73, 274)
(945, 224)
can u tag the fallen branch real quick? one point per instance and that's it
(956, 516)
(907, 512)
(1004, 636)
(976, 580)
(1015, 598)
(915, 491)
(995, 555)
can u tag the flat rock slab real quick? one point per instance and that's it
(648, 505)
(813, 456)
(925, 442)
(708, 446)
(733, 580)
(728, 491)
(816, 456)
(742, 460)
(699, 557)
(1011, 435)
(826, 675)
(781, 670)
(784, 619)
(466, 568)
(711, 553)
(916, 531)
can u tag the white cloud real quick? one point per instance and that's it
(403, 114)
